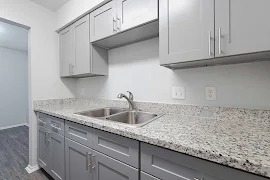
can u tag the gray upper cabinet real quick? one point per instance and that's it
(103, 21)
(186, 30)
(105, 168)
(78, 57)
(66, 45)
(57, 156)
(82, 46)
(242, 26)
(78, 157)
(132, 13)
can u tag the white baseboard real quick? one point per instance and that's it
(12, 126)
(30, 169)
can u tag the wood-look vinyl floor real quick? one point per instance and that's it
(14, 152)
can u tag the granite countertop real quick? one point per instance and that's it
(242, 142)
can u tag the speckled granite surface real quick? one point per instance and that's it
(238, 138)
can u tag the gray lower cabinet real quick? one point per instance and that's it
(166, 164)
(107, 168)
(51, 153)
(57, 156)
(145, 176)
(43, 148)
(77, 161)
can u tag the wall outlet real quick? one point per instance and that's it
(178, 93)
(210, 93)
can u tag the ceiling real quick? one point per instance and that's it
(53, 5)
(13, 37)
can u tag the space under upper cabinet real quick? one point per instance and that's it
(118, 16)
(78, 57)
(200, 32)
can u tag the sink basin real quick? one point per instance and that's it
(134, 118)
(102, 112)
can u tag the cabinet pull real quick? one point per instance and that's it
(69, 69)
(209, 43)
(219, 41)
(48, 140)
(87, 161)
(118, 27)
(93, 156)
(55, 126)
(114, 21)
(42, 122)
(196, 179)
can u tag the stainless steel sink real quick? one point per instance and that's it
(134, 118)
(102, 112)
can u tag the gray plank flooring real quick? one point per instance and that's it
(14, 148)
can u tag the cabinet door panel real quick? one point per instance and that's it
(186, 30)
(145, 176)
(244, 26)
(82, 46)
(77, 160)
(43, 149)
(66, 43)
(103, 21)
(109, 168)
(132, 13)
(57, 156)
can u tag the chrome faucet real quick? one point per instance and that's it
(129, 99)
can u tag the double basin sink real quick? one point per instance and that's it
(133, 118)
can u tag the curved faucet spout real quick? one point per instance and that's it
(129, 100)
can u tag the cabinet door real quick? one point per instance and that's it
(106, 168)
(66, 43)
(132, 13)
(82, 46)
(145, 176)
(186, 30)
(103, 21)
(43, 149)
(242, 26)
(77, 161)
(57, 156)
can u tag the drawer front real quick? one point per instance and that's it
(117, 147)
(145, 176)
(79, 133)
(56, 125)
(42, 120)
(164, 164)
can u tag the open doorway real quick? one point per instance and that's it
(14, 102)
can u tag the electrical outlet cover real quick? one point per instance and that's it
(210, 94)
(178, 93)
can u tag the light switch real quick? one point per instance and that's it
(178, 93)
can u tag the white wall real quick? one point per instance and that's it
(14, 87)
(136, 68)
(73, 9)
(43, 57)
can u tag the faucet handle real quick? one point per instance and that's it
(130, 95)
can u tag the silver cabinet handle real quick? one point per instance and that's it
(47, 139)
(41, 122)
(87, 161)
(118, 27)
(209, 43)
(69, 69)
(114, 21)
(93, 156)
(54, 125)
(196, 179)
(219, 41)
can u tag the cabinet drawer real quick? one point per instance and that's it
(79, 133)
(145, 176)
(42, 120)
(165, 164)
(56, 125)
(117, 147)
